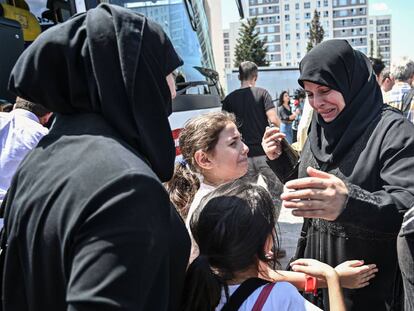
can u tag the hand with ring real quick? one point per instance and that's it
(271, 142)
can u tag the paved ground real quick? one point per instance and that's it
(290, 227)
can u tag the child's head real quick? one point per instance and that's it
(211, 146)
(234, 228)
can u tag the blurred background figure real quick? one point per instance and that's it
(286, 116)
(20, 131)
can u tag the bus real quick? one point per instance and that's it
(185, 22)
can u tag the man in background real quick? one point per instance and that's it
(20, 131)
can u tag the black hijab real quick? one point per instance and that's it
(110, 61)
(336, 64)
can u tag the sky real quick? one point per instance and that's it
(402, 22)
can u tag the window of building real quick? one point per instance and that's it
(306, 5)
(226, 41)
(318, 4)
(307, 15)
(297, 6)
(286, 7)
(297, 16)
(297, 26)
(298, 55)
(287, 36)
(297, 36)
(287, 27)
(342, 2)
(287, 17)
(325, 13)
(325, 3)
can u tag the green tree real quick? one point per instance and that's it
(316, 32)
(371, 48)
(379, 55)
(249, 46)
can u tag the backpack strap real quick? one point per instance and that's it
(242, 292)
(261, 300)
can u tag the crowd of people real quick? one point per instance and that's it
(99, 215)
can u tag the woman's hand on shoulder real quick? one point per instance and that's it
(321, 195)
(271, 142)
(354, 274)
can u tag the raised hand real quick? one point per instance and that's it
(271, 142)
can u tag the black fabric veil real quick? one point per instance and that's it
(334, 63)
(110, 61)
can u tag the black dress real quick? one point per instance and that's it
(90, 226)
(379, 193)
(370, 147)
(88, 223)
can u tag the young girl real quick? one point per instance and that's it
(234, 228)
(213, 153)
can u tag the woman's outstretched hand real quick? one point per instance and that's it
(313, 268)
(354, 274)
(321, 195)
(271, 142)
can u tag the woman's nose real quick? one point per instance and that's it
(245, 149)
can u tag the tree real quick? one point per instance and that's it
(249, 46)
(316, 32)
(371, 48)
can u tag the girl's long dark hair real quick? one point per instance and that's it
(280, 103)
(230, 226)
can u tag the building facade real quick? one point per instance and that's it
(350, 22)
(285, 25)
(230, 37)
(379, 39)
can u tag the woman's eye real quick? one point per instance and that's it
(325, 91)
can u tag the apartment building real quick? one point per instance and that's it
(230, 37)
(350, 22)
(285, 26)
(379, 37)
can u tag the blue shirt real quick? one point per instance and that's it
(20, 132)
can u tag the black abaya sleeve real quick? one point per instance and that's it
(382, 210)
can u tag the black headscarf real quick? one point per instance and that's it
(336, 64)
(110, 61)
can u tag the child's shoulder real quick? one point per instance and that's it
(285, 296)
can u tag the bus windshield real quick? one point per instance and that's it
(178, 18)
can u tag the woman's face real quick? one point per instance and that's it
(286, 98)
(327, 102)
(229, 156)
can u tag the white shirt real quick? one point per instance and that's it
(283, 297)
(200, 194)
(20, 132)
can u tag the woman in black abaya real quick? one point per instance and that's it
(88, 224)
(355, 172)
